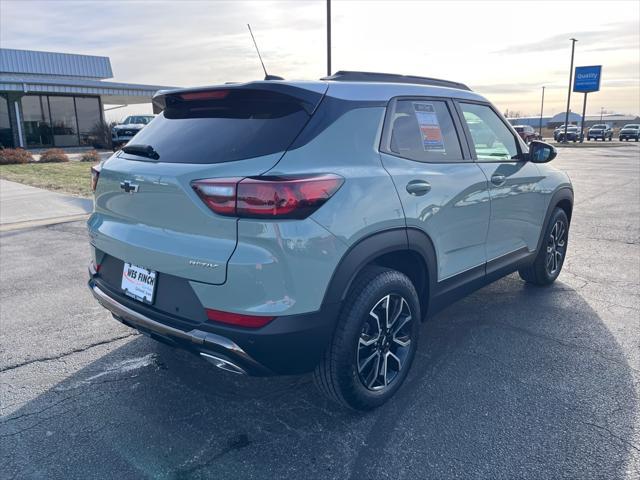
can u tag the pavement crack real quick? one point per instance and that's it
(617, 437)
(548, 338)
(66, 354)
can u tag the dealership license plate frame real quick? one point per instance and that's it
(136, 289)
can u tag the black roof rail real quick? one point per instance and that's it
(350, 76)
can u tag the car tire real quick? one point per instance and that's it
(549, 261)
(353, 371)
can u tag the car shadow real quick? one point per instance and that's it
(511, 382)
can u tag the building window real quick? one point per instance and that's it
(54, 120)
(35, 119)
(63, 121)
(6, 136)
(89, 120)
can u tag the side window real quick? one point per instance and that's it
(492, 140)
(423, 130)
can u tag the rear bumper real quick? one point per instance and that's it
(290, 344)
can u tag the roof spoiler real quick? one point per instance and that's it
(307, 98)
(353, 76)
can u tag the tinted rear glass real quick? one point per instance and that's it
(243, 124)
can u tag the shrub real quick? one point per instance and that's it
(101, 135)
(90, 156)
(54, 155)
(10, 156)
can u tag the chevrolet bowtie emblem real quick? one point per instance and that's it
(129, 187)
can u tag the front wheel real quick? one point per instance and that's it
(548, 263)
(374, 343)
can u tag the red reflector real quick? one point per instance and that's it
(284, 197)
(237, 319)
(208, 95)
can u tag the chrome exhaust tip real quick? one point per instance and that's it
(223, 364)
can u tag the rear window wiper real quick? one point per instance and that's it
(141, 150)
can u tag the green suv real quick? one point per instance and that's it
(277, 227)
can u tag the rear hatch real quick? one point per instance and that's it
(146, 211)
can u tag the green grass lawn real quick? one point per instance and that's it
(71, 177)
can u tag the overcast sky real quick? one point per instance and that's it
(505, 50)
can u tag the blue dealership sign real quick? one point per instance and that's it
(587, 79)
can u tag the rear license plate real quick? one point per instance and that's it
(138, 282)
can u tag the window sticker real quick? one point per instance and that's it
(429, 127)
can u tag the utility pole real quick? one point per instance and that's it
(541, 110)
(566, 117)
(601, 110)
(328, 37)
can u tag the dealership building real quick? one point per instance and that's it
(52, 99)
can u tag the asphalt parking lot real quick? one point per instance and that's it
(512, 382)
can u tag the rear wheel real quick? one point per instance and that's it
(374, 343)
(548, 263)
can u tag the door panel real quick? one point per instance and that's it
(454, 212)
(517, 207)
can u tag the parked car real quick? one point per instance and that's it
(125, 131)
(556, 131)
(303, 237)
(600, 131)
(630, 131)
(573, 134)
(527, 133)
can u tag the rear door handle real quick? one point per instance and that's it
(498, 179)
(418, 187)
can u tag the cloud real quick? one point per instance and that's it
(615, 36)
(509, 88)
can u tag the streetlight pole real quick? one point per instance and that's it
(566, 117)
(601, 110)
(541, 110)
(328, 37)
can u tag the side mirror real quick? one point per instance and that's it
(541, 152)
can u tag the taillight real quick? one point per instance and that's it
(219, 194)
(237, 319)
(95, 174)
(267, 197)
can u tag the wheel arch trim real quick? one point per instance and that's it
(563, 194)
(374, 246)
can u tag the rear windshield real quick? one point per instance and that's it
(242, 124)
